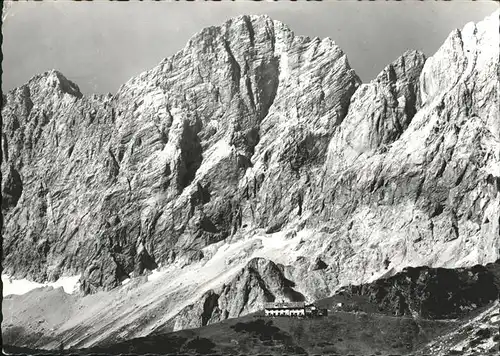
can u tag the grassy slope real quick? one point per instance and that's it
(340, 332)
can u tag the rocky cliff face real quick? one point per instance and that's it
(412, 172)
(251, 133)
(117, 184)
(433, 293)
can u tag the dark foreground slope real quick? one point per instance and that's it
(340, 332)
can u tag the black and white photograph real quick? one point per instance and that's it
(250, 178)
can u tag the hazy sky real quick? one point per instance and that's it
(101, 44)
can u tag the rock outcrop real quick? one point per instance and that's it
(433, 293)
(477, 336)
(258, 282)
(251, 131)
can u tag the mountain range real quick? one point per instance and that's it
(251, 166)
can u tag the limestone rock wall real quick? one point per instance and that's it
(252, 128)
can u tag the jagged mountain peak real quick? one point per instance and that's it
(244, 26)
(44, 89)
(467, 51)
(405, 67)
(245, 42)
(56, 80)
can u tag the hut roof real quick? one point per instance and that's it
(284, 305)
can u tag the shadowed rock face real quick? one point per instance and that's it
(12, 188)
(435, 293)
(249, 129)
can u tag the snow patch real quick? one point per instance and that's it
(279, 247)
(155, 274)
(18, 286)
(217, 153)
(70, 284)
